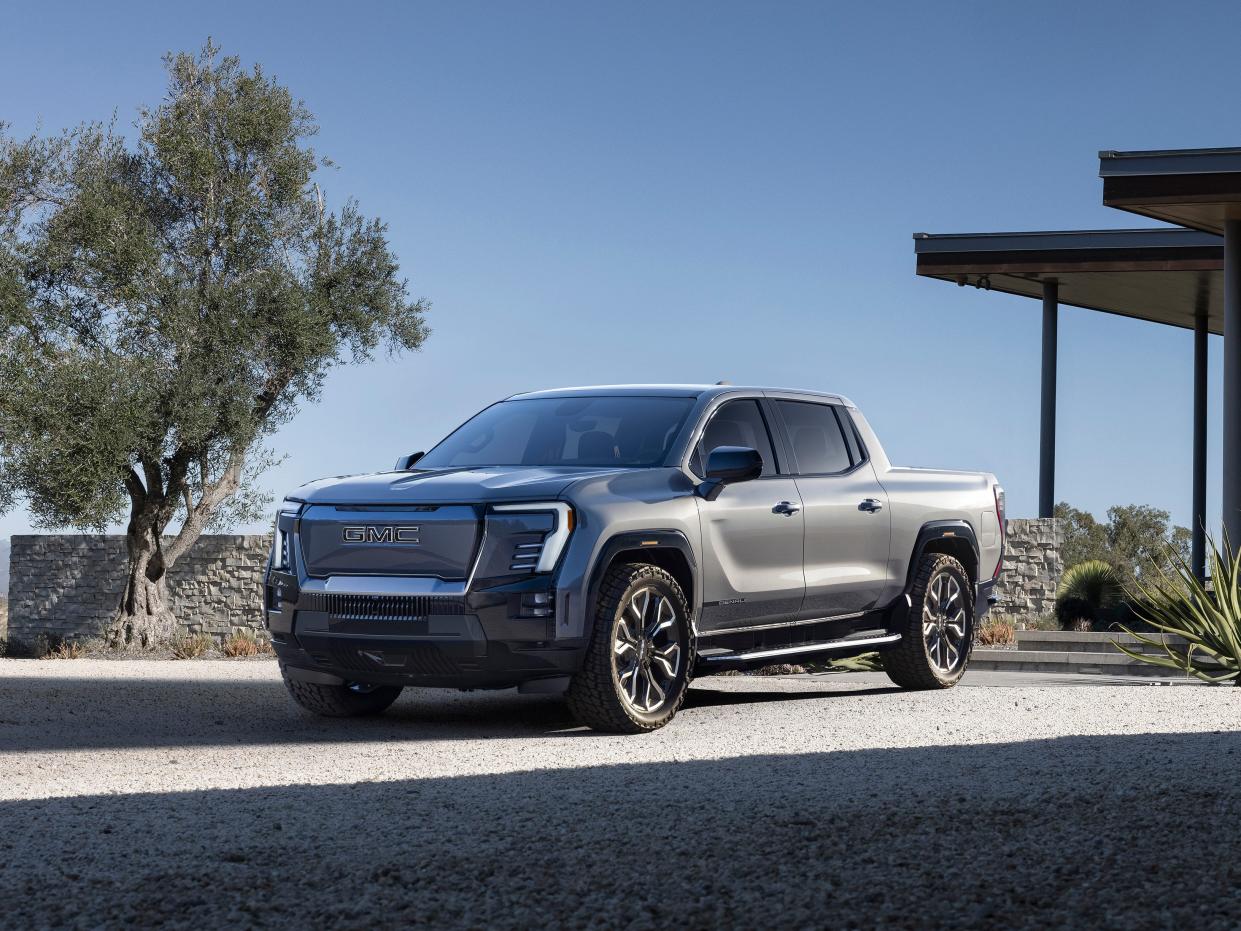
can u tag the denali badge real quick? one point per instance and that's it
(372, 534)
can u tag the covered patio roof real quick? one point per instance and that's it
(1198, 188)
(1161, 275)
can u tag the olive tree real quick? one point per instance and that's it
(166, 302)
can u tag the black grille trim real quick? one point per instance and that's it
(421, 660)
(381, 607)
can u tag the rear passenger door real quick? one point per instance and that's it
(848, 528)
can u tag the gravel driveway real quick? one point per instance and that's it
(196, 794)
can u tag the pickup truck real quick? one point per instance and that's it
(612, 543)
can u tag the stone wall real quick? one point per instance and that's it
(1027, 587)
(69, 585)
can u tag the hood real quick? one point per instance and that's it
(490, 483)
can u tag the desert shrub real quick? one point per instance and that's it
(1175, 602)
(997, 633)
(190, 646)
(1087, 593)
(245, 643)
(66, 649)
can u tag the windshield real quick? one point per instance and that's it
(597, 431)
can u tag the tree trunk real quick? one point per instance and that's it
(143, 619)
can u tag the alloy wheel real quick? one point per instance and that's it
(943, 623)
(647, 650)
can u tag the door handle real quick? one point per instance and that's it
(787, 508)
(871, 504)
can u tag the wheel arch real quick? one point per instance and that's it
(668, 549)
(956, 538)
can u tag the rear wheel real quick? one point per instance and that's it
(350, 700)
(636, 670)
(939, 628)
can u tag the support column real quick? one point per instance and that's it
(1047, 419)
(1232, 383)
(1197, 551)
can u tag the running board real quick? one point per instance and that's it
(778, 652)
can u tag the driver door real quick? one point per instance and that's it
(752, 533)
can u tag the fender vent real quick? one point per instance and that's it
(526, 557)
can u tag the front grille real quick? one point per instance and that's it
(419, 660)
(381, 607)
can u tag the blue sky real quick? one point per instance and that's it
(648, 192)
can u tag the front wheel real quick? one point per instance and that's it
(636, 670)
(939, 628)
(350, 700)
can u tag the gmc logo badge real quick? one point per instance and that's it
(372, 534)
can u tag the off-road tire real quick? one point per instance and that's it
(908, 663)
(594, 695)
(339, 701)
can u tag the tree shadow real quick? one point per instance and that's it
(1100, 831)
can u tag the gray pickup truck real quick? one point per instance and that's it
(612, 543)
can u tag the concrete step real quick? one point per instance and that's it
(1072, 641)
(1111, 663)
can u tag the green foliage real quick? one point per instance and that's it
(1087, 591)
(166, 304)
(1135, 539)
(1174, 602)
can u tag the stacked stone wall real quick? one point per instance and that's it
(68, 586)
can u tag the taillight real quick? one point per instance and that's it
(999, 516)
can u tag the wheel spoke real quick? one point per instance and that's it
(651, 684)
(666, 658)
(953, 655)
(662, 623)
(632, 688)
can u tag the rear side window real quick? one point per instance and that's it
(737, 423)
(818, 442)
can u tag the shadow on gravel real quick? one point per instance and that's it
(1070, 832)
(93, 713)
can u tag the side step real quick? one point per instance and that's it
(709, 661)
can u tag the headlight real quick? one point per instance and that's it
(280, 538)
(542, 557)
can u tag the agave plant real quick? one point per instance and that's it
(1087, 590)
(1175, 602)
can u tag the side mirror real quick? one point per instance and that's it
(405, 463)
(727, 465)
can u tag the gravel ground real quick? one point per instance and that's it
(195, 794)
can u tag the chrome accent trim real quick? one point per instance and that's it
(384, 585)
(814, 620)
(554, 543)
(804, 648)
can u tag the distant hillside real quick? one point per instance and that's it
(4, 567)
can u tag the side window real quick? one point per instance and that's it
(852, 437)
(818, 442)
(737, 423)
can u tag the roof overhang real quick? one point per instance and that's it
(1159, 275)
(1198, 188)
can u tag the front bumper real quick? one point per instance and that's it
(418, 632)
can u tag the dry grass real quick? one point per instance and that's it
(246, 643)
(191, 646)
(61, 649)
(997, 634)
